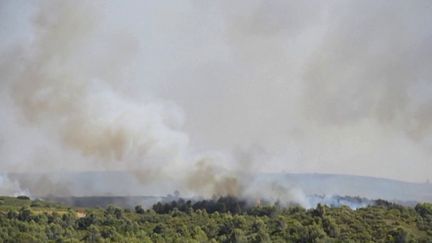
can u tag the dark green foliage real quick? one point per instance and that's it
(222, 205)
(23, 198)
(24, 214)
(85, 222)
(139, 209)
(223, 220)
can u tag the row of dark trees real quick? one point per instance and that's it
(222, 205)
(224, 219)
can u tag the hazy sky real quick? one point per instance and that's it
(298, 86)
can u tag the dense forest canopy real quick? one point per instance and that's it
(225, 219)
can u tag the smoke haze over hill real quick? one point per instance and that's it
(202, 95)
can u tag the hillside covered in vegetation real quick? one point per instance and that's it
(225, 219)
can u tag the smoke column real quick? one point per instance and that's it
(65, 106)
(204, 96)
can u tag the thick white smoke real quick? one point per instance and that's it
(66, 106)
(168, 91)
(10, 187)
(53, 89)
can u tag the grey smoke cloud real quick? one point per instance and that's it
(151, 87)
(62, 88)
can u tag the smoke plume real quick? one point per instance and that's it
(201, 97)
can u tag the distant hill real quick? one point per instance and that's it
(117, 183)
(363, 186)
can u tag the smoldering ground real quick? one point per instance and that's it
(168, 91)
